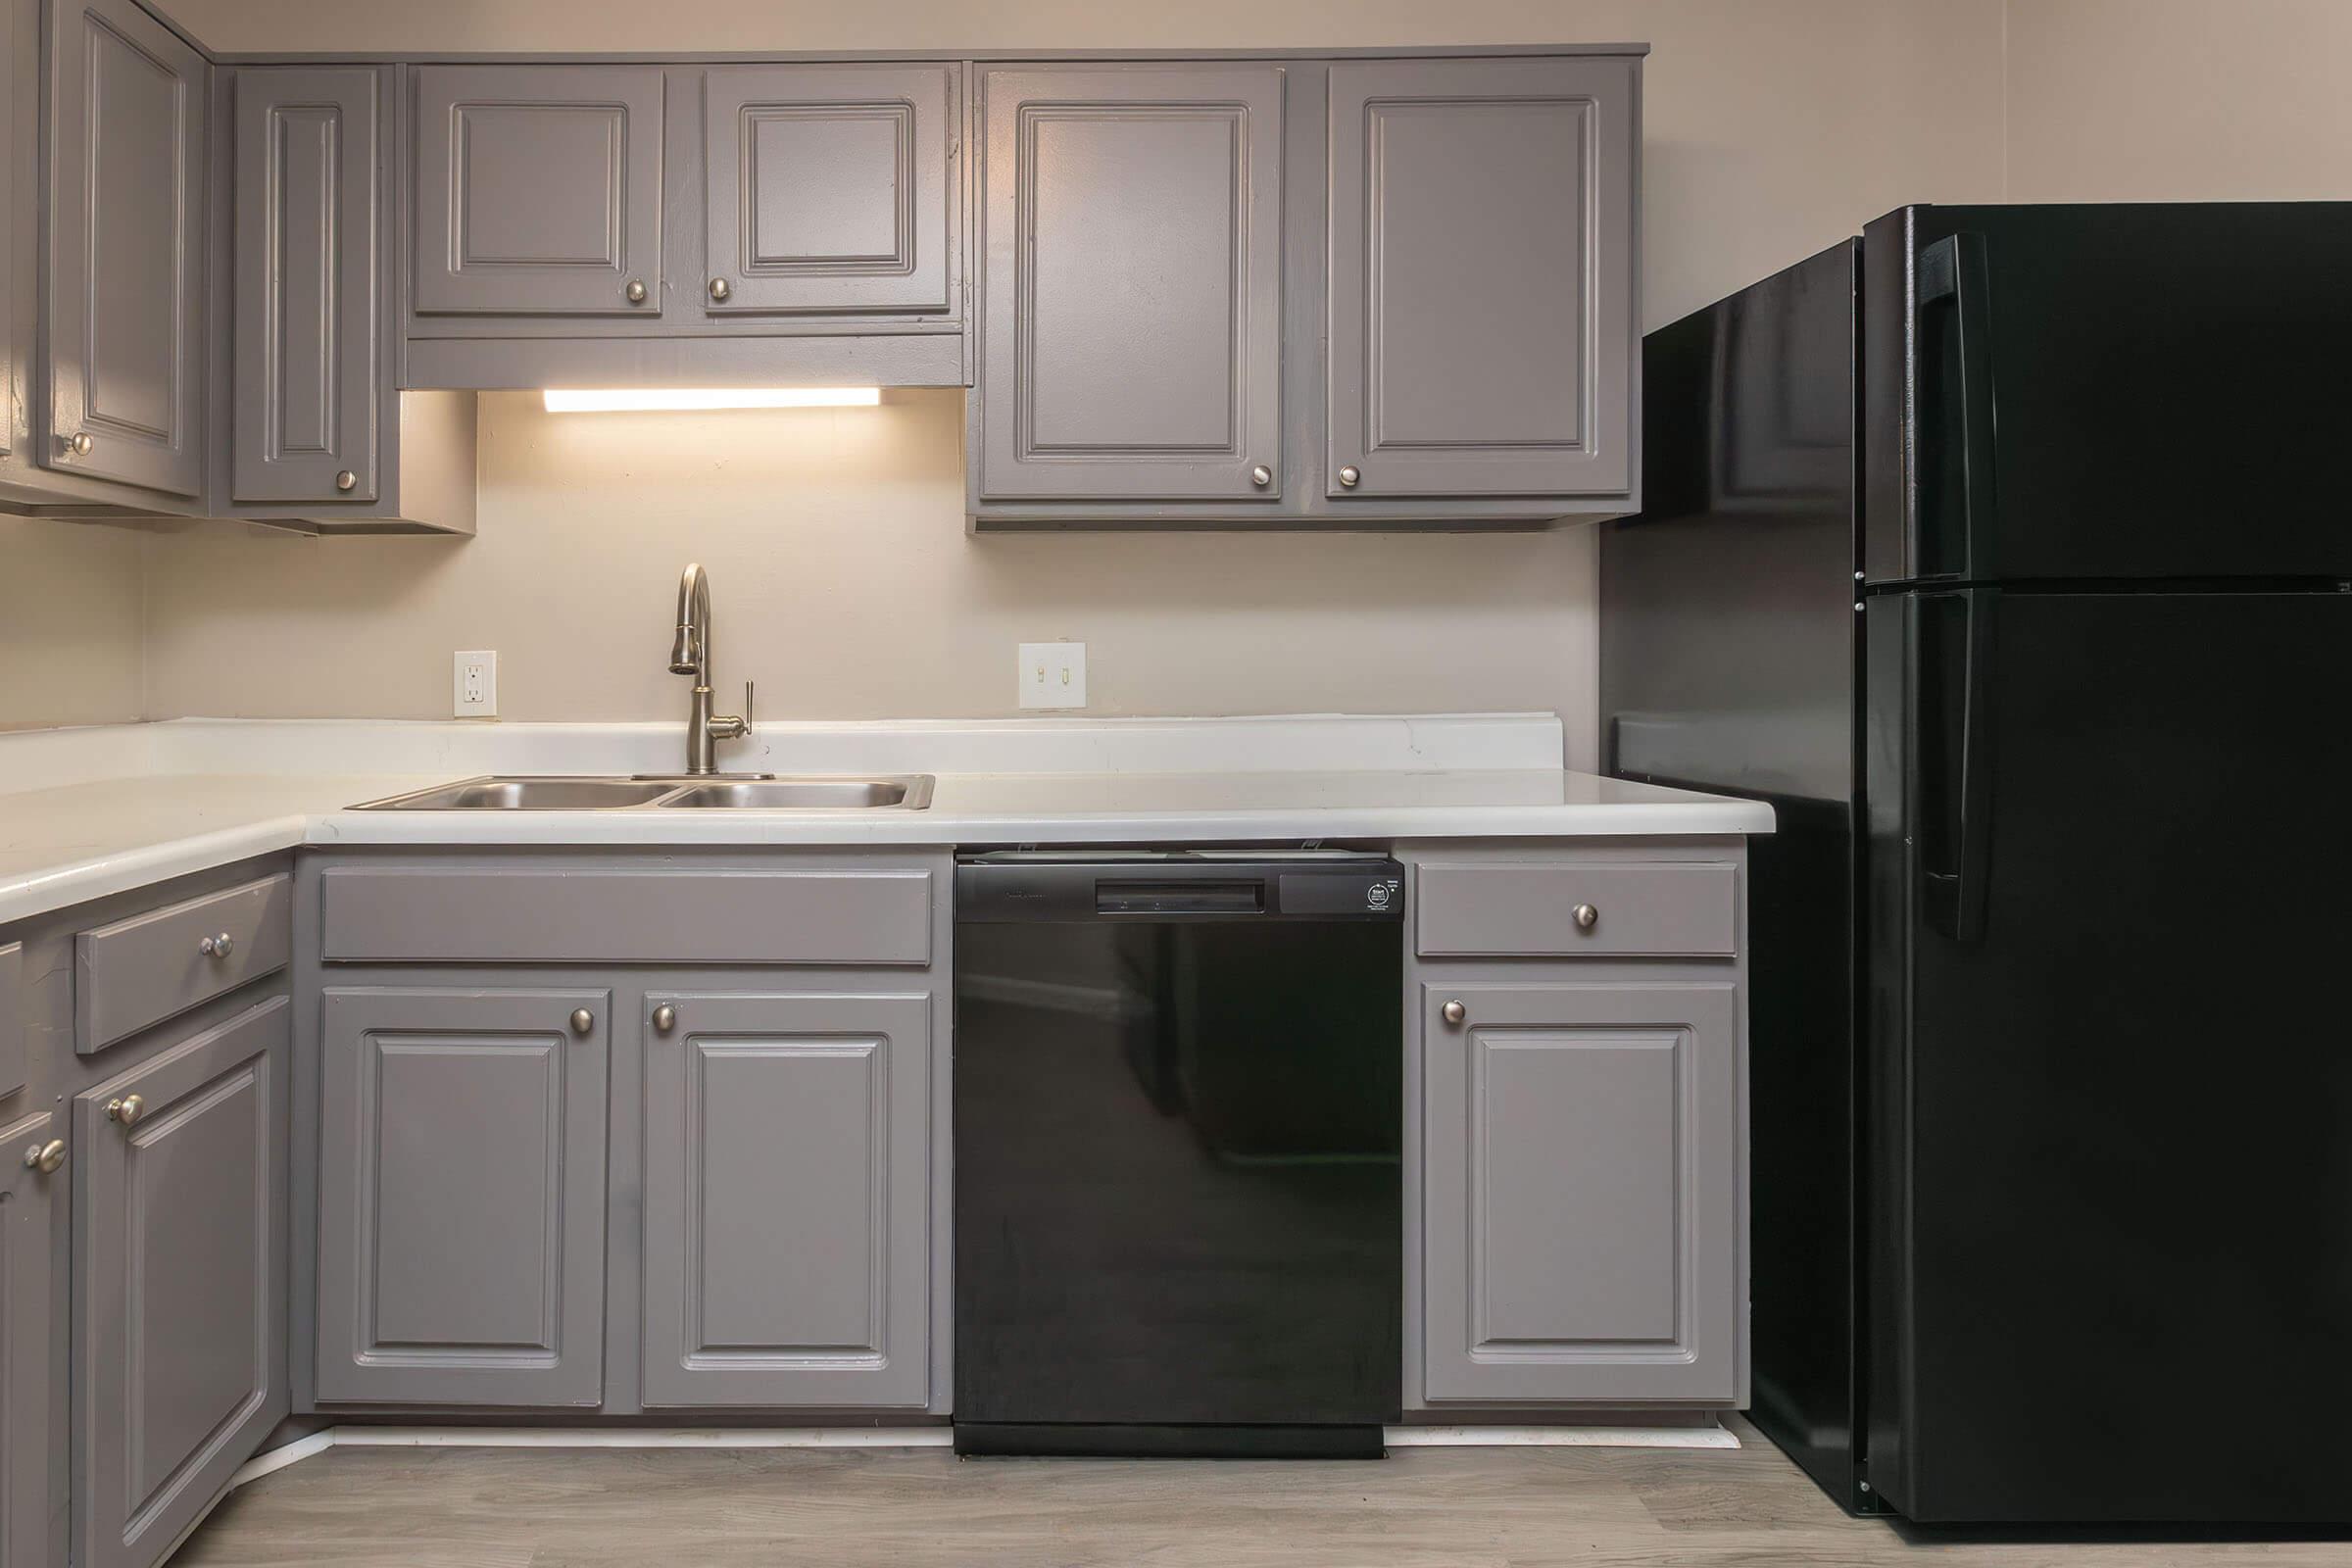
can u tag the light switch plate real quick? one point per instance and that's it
(1053, 674)
(476, 686)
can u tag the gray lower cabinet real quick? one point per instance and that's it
(462, 1194)
(1582, 1226)
(127, 207)
(180, 1288)
(306, 295)
(538, 191)
(788, 1171)
(29, 1536)
(1130, 253)
(1481, 287)
(826, 188)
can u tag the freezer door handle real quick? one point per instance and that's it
(1954, 662)
(1953, 276)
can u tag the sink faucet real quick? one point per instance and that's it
(690, 655)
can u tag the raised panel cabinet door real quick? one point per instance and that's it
(462, 1196)
(179, 1259)
(126, 207)
(827, 188)
(18, 205)
(1581, 1228)
(1131, 288)
(787, 1201)
(32, 1179)
(306, 295)
(538, 191)
(1481, 277)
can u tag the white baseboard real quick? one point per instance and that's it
(935, 1437)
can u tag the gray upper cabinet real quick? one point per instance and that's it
(1582, 1191)
(462, 1196)
(29, 1537)
(827, 188)
(307, 295)
(1481, 287)
(179, 1314)
(1131, 282)
(538, 191)
(19, 142)
(787, 1195)
(126, 228)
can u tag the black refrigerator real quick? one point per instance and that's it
(2007, 552)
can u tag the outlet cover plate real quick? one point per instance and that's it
(1053, 674)
(475, 683)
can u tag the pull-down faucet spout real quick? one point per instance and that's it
(690, 655)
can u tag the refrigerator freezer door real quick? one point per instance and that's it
(2107, 392)
(2109, 1190)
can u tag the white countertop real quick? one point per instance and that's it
(121, 810)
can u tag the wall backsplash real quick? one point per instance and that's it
(69, 637)
(845, 582)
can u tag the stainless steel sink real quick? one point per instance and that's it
(802, 794)
(552, 793)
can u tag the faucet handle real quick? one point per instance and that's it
(747, 709)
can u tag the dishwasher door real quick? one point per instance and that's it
(1179, 1110)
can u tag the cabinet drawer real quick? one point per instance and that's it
(144, 969)
(413, 914)
(1531, 911)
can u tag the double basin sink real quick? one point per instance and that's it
(740, 793)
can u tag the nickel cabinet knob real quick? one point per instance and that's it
(1350, 477)
(720, 288)
(1454, 1011)
(220, 946)
(346, 479)
(582, 1020)
(127, 1109)
(1585, 916)
(47, 1158)
(635, 292)
(76, 445)
(1261, 476)
(665, 1018)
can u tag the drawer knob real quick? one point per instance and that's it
(127, 1109)
(1454, 1011)
(635, 292)
(721, 288)
(1585, 916)
(1350, 477)
(582, 1020)
(665, 1018)
(47, 1158)
(220, 946)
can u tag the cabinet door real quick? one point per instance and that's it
(1580, 1227)
(787, 1201)
(179, 1290)
(1131, 297)
(126, 248)
(1481, 291)
(27, 1351)
(827, 188)
(306, 285)
(18, 203)
(538, 191)
(462, 1196)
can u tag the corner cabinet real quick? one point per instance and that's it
(128, 208)
(1580, 1045)
(180, 1288)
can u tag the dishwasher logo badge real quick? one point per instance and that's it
(1380, 895)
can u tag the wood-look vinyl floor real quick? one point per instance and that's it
(918, 1507)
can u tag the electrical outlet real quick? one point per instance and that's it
(478, 684)
(1053, 674)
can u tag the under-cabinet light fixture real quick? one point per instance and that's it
(574, 400)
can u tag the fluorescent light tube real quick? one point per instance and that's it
(572, 400)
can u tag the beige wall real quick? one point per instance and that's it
(69, 636)
(846, 582)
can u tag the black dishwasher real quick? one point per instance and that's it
(1179, 1106)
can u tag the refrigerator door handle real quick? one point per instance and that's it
(1954, 893)
(1952, 274)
